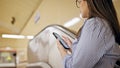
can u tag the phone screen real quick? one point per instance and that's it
(62, 42)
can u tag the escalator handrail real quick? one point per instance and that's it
(58, 27)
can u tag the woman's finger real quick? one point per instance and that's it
(67, 40)
(59, 45)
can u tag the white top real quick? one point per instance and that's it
(95, 48)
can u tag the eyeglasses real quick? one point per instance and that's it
(78, 3)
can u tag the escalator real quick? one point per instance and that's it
(42, 50)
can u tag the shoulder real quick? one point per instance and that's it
(96, 23)
(97, 26)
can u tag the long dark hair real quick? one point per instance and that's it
(105, 10)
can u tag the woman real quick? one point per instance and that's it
(97, 43)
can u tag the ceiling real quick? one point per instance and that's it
(15, 14)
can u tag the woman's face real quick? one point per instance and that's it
(84, 11)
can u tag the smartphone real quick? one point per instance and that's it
(62, 42)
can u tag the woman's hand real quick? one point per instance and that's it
(68, 41)
(62, 50)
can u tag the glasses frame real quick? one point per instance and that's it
(78, 3)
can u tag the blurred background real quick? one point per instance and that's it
(26, 18)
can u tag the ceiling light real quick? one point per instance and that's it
(29, 37)
(72, 22)
(13, 36)
(16, 36)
